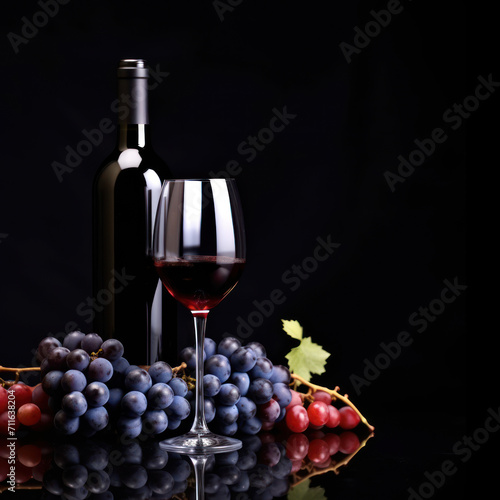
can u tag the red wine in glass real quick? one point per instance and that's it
(200, 282)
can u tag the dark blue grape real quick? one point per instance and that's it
(133, 476)
(112, 349)
(72, 340)
(243, 359)
(209, 409)
(179, 386)
(211, 385)
(66, 454)
(261, 390)
(66, 423)
(227, 430)
(263, 369)
(52, 482)
(78, 360)
(75, 476)
(154, 421)
(153, 457)
(210, 347)
(243, 483)
(115, 397)
(246, 408)
(120, 366)
(160, 396)
(96, 418)
(179, 408)
(227, 346)
(160, 372)
(51, 383)
(282, 394)
(45, 346)
(229, 474)
(138, 380)
(180, 469)
(258, 348)
(100, 370)
(134, 403)
(247, 459)
(173, 423)
(260, 476)
(161, 482)
(98, 482)
(188, 355)
(219, 366)
(74, 404)
(129, 427)
(226, 415)
(241, 381)
(73, 380)
(212, 483)
(91, 343)
(281, 415)
(280, 374)
(283, 468)
(228, 395)
(97, 394)
(251, 426)
(57, 358)
(94, 456)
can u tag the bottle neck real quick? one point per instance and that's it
(133, 136)
(133, 116)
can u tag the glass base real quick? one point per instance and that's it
(200, 443)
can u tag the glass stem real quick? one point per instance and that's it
(200, 324)
(199, 462)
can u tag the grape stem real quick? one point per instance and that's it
(312, 388)
(17, 371)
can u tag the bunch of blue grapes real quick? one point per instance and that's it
(92, 387)
(243, 390)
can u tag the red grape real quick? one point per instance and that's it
(22, 394)
(29, 414)
(296, 400)
(23, 473)
(333, 417)
(29, 455)
(323, 396)
(297, 446)
(319, 451)
(349, 442)
(3, 399)
(318, 413)
(348, 418)
(297, 419)
(40, 398)
(333, 442)
(325, 464)
(296, 466)
(267, 426)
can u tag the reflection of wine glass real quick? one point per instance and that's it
(199, 253)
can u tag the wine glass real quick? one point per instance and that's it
(199, 253)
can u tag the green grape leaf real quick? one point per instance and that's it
(304, 491)
(307, 358)
(292, 328)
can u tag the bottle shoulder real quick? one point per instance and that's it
(132, 162)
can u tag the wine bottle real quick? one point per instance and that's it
(130, 303)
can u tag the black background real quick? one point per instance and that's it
(322, 176)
